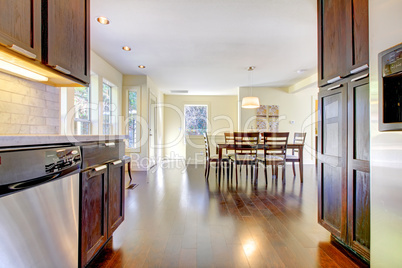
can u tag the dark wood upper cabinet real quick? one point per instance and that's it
(360, 34)
(66, 37)
(342, 39)
(20, 26)
(50, 37)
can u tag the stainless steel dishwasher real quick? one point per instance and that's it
(39, 206)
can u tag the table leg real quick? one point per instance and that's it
(301, 163)
(219, 161)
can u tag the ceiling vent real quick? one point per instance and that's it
(179, 91)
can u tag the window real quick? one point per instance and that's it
(132, 118)
(107, 109)
(82, 118)
(195, 119)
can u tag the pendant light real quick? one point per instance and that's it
(250, 102)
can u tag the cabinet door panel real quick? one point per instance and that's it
(93, 213)
(359, 167)
(20, 24)
(334, 27)
(332, 195)
(68, 37)
(361, 226)
(360, 33)
(116, 196)
(332, 154)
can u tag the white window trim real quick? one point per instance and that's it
(137, 118)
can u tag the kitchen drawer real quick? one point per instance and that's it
(97, 153)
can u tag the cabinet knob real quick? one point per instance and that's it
(22, 51)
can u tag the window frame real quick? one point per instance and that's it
(111, 125)
(137, 117)
(79, 120)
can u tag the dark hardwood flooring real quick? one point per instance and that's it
(174, 218)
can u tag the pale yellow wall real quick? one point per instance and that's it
(297, 107)
(222, 116)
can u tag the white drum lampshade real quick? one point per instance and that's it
(250, 102)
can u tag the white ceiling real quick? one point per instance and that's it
(205, 46)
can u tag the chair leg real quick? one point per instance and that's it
(265, 173)
(284, 173)
(294, 170)
(235, 166)
(301, 172)
(207, 168)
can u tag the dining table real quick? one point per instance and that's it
(230, 146)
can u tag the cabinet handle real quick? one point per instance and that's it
(115, 163)
(333, 80)
(334, 87)
(359, 77)
(61, 69)
(100, 168)
(22, 51)
(359, 69)
(109, 144)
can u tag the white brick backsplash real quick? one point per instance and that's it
(5, 118)
(53, 105)
(42, 129)
(19, 119)
(5, 96)
(28, 107)
(52, 122)
(52, 97)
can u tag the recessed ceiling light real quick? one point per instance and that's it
(103, 20)
(141, 66)
(126, 48)
(300, 71)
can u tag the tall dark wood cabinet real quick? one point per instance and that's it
(342, 39)
(344, 123)
(20, 26)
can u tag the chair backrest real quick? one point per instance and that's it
(206, 142)
(245, 143)
(299, 138)
(229, 138)
(275, 143)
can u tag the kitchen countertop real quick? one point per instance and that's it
(24, 140)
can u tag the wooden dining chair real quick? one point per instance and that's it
(298, 138)
(245, 151)
(275, 145)
(213, 159)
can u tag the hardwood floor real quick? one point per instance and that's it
(174, 218)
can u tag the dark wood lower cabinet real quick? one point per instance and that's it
(102, 207)
(116, 195)
(344, 162)
(93, 227)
